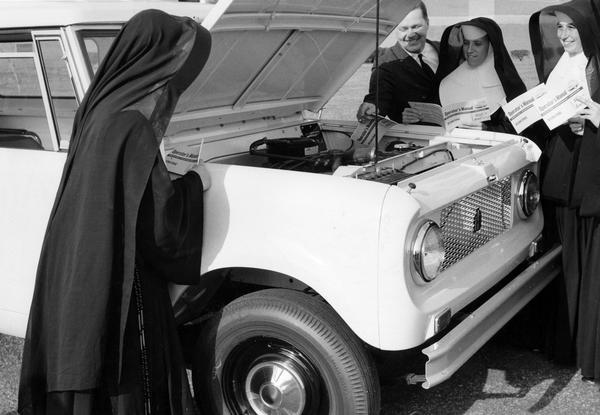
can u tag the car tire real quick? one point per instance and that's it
(278, 350)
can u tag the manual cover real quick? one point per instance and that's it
(466, 114)
(555, 107)
(180, 160)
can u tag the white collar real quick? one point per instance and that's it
(466, 83)
(430, 56)
(569, 69)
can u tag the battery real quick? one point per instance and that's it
(293, 147)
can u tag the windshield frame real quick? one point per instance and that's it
(82, 67)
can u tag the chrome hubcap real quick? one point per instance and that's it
(275, 388)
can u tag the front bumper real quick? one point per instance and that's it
(449, 353)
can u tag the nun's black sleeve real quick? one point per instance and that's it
(170, 225)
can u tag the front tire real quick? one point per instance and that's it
(282, 352)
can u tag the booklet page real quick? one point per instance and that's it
(557, 106)
(180, 160)
(523, 111)
(554, 106)
(430, 113)
(467, 114)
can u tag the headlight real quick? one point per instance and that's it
(428, 251)
(529, 193)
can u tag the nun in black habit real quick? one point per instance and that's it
(101, 337)
(566, 46)
(485, 72)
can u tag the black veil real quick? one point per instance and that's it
(85, 273)
(451, 54)
(546, 46)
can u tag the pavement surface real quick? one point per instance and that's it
(499, 379)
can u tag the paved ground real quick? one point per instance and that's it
(500, 379)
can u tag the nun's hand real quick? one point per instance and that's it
(411, 116)
(576, 125)
(591, 111)
(202, 171)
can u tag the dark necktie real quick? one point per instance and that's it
(426, 68)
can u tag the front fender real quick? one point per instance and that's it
(321, 230)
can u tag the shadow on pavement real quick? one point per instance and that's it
(501, 378)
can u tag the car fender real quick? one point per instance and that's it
(321, 230)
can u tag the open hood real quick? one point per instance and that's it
(276, 58)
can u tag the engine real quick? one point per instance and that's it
(393, 161)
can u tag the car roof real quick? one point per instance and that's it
(53, 13)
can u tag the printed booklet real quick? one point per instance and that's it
(553, 106)
(180, 160)
(466, 114)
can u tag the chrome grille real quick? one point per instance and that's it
(473, 221)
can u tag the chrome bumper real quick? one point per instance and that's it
(449, 353)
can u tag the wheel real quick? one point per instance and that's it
(282, 352)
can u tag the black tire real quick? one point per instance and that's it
(323, 367)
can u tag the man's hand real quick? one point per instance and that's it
(202, 171)
(365, 111)
(411, 116)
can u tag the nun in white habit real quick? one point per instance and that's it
(476, 65)
(565, 41)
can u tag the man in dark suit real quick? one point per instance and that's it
(406, 72)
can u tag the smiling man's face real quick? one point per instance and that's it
(412, 31)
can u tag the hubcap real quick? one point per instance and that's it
(273, 388)
(266, 376)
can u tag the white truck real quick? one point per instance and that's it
(316, 256)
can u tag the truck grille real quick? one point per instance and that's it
(473, 221)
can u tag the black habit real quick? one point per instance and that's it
(118, 232)
(571, 186)
(401, 79)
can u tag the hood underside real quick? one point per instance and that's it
(276, 58)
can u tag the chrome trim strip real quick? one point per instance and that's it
(448, 354)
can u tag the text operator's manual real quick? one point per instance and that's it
(466, 114)
(554, 106)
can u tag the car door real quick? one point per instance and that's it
(37, 107)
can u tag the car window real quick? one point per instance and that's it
(21, 105)
(60, 88)
(24, 119)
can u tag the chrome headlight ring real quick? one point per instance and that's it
(428, 251)
(528, 193)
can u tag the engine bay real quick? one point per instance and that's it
(394, 159)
